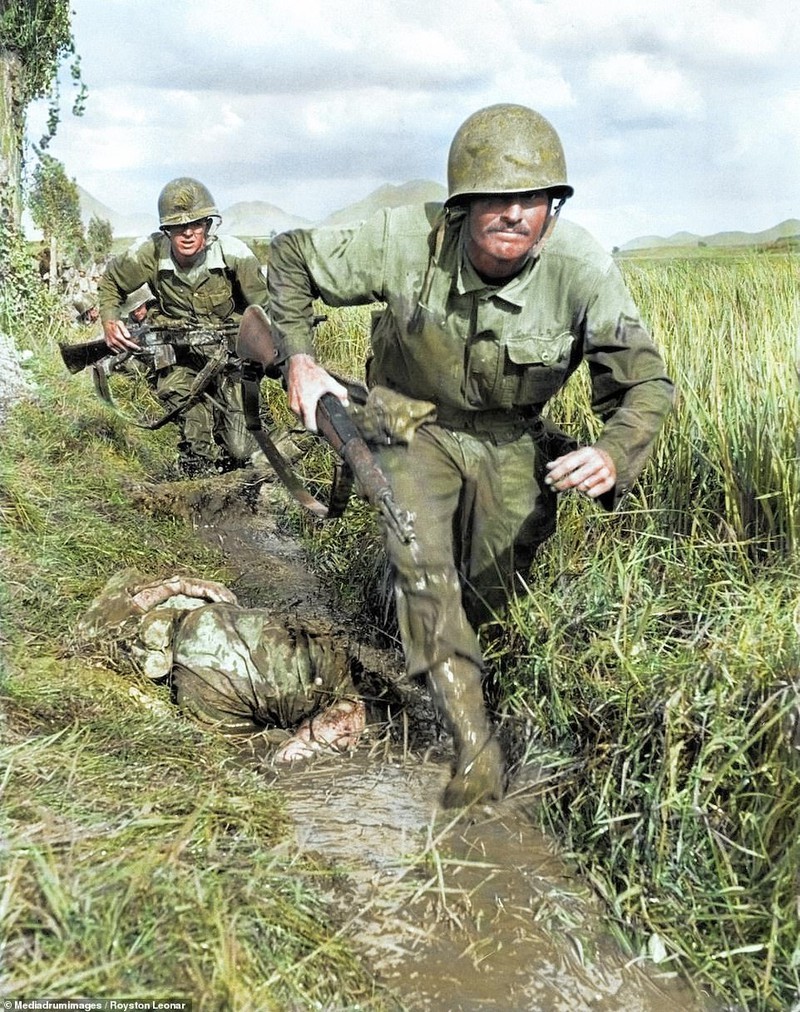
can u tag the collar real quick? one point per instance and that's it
(212, 259)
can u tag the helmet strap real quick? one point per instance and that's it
(415, 323)
(547, 229)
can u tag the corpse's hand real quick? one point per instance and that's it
(117, 336)
(589, 470)
(306, 382)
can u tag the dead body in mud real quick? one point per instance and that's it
(242, 670)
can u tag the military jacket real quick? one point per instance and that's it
(448, 337)
(226, 280)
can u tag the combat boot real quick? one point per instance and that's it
(479, 771)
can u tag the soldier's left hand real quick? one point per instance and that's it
(589, 470)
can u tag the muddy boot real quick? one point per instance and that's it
(479, 773)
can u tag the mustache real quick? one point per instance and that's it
(520, 229)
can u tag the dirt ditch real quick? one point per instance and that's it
(455, 914)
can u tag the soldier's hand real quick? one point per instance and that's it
(589, 470)
(306, 382)
(117, 336)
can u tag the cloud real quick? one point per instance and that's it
(665, 108)
(638, 88)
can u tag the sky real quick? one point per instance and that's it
(675, 115)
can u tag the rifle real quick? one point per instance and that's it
(157, 343)
(255, 345)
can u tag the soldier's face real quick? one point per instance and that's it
(503, 229)
(187, 240)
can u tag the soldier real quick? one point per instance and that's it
(137, 306)
(492, 302)
(241, 670)
(85, 309)
(197, 278)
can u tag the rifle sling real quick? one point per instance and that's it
(342, 483)
(100, 374)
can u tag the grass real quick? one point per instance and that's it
(140, 857)
(652, 669)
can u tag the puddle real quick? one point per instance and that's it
(465, 914)
(462, 914)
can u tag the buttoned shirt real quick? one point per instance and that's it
(220, 284)
(447, 336)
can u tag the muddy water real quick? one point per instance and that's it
(459, 914)
(467, 914)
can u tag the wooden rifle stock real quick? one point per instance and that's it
(255, 343)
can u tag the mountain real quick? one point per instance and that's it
(419, 191)
(121, 225)
(789, 229)
(256, 218)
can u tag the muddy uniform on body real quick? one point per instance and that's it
(491, 305)
(241, 670)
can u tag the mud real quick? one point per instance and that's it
(455, 914)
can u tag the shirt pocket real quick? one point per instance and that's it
(214, 298)
(535, 368)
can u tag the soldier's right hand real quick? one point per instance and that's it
(306, 383)
(117, 336)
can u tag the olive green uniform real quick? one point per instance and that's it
(215, 290)
(242, 669)
(489, 358)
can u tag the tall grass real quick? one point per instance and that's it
(652, 669)
(728, 463)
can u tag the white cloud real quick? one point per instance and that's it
(638, 87)
(669, 110)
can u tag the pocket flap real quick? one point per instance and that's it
(544, 349)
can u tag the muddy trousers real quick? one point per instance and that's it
(216, 421)
(478, 774)
(481, 510)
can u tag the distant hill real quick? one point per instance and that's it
(256, 218)
(121, 225)
(789, 229)
(419, 191)
(259, 219)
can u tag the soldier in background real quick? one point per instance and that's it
(199, 279)
(86, 311)
(137, 306)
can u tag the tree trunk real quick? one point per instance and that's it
(12, 131)
(53, 263)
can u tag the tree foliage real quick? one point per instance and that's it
(35, 38)
(55, 207)
(99, 235)
(39, 34)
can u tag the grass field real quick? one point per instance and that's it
(652, 671)
(139, 856)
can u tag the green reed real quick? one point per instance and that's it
(651, 670)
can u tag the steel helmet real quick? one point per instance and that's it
(183, 200)
(506, 148)
(135, 299)
(83, 304)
